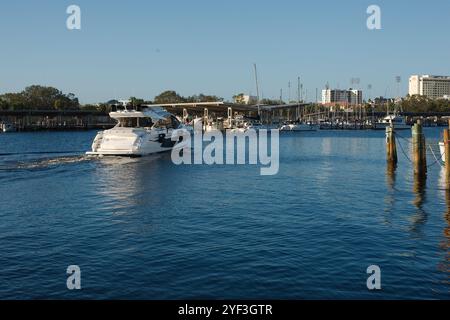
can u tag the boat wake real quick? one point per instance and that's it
(50, 162)
(42, 163)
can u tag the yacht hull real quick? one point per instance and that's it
(299, 127)
(131, 142)
(383, 126)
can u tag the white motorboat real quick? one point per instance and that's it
(299, 127)
(7, 127)
(397, 121)
(137, 133)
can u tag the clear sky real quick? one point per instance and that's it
(140, 48)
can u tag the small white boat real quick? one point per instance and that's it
(397, 121)
(7, 127)
(137, 133)
(299, 127)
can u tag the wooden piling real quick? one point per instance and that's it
(447, 154)
(391, 147)
(419, 156)
(205, 118)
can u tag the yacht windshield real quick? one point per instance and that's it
(170, 123)
(135, 123)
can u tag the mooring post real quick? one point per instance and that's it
(205, 118)
(447, 154)
(391, 147)
(419, 149)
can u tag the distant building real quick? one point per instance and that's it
(245, 99)
(383, 100)
(433, 87)
(342, 97)
(355, 97)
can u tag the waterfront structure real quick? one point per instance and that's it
(342, 97)
(433, 87)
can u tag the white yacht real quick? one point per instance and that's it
(137, 133)
(299, 127)
(399, 123)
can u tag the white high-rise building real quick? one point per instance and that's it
(433, 87)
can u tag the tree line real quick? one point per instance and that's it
(423, 104)
(38, 97)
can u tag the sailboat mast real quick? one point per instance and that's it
(257, 87)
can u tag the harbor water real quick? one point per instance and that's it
(148, 229)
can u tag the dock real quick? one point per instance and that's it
(326, 118)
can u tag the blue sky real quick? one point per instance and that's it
(140, 48)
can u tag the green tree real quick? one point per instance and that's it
(3, 104)
(169, 97)
(270, 102)
(40, 98)
(423, 104)
(203, 98)
(135, 102)
(15, 101)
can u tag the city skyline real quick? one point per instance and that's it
(142, 49)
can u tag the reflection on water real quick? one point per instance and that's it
(326, 146)
(419, 218)
(389, 198)
(444, 266)
(391, 175)
(445, 244)
(124, 180)
(144, 228)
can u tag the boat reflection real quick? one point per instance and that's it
(125, 182)
(138, 194)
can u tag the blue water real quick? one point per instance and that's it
(147, 229)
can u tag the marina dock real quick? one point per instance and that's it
(276, 115)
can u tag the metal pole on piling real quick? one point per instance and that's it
(391, 147)
(419, 149)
